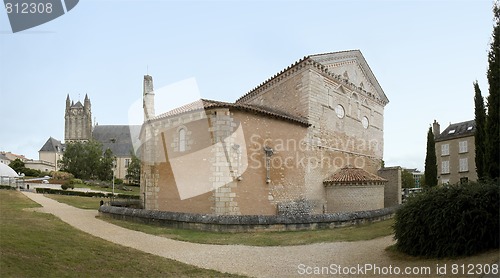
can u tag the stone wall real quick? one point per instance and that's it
(286, 92)
(302, 158)
(392, 191)
(246, 223)
(354, 198)
(224, 162)
(332, 142)
(339, 140)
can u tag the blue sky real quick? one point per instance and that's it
(425, 55)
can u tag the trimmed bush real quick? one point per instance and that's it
(76, 181)
(84, 194)
(59, 175)
(458, 220)
(67, 184)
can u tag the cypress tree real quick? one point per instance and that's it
(479, 135)
(493, 119)
(430, 161)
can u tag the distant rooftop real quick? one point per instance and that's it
(52, 145)
(115, 137)
(457, 130)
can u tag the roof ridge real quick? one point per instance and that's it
(253, 91)
(208, 104)
(334, 52)
(469, 121)
(323, 69)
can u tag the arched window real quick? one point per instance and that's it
(182, 140)
(355, 97)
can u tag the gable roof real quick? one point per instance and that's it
(52, 145)
(115, 137)
(352, 55)
(320, 62)
(77, 105)
(458, 130)
(205, 104)
(352, 176)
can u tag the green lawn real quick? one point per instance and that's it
(34, 244)
(78, 201)
(134, 190)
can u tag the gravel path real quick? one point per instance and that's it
(246, 260)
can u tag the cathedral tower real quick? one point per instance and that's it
(78, 120)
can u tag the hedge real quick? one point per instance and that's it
(451, 221)
(84, 194)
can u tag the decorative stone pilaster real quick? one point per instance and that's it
(225, 162)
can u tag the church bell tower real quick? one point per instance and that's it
(77, 120)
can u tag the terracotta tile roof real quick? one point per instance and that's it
(352, 176)
(204, 104)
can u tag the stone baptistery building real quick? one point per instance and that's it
(308, 140)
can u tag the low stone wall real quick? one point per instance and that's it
(244, 223)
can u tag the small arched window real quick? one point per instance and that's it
(182, 140)
(355, 97)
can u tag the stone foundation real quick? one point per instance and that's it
(246, 223)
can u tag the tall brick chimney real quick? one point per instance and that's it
(436, 129)
(148, 103)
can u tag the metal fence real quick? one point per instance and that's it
(8, 181)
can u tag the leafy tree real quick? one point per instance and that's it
(17, 165)
(82, 159)
(407, 179)
(105, 171)
(134, 169)
(430, 161)
(479, 135)
(493, 118)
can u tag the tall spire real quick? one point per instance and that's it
(86, 103)
(67, 102)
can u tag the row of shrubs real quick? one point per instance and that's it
(84, 194)
(8, 187)
(450, 221)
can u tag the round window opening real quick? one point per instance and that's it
(340, 111)
(365, 122)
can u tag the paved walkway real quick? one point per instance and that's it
(246, 260)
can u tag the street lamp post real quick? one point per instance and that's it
(114, 166)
